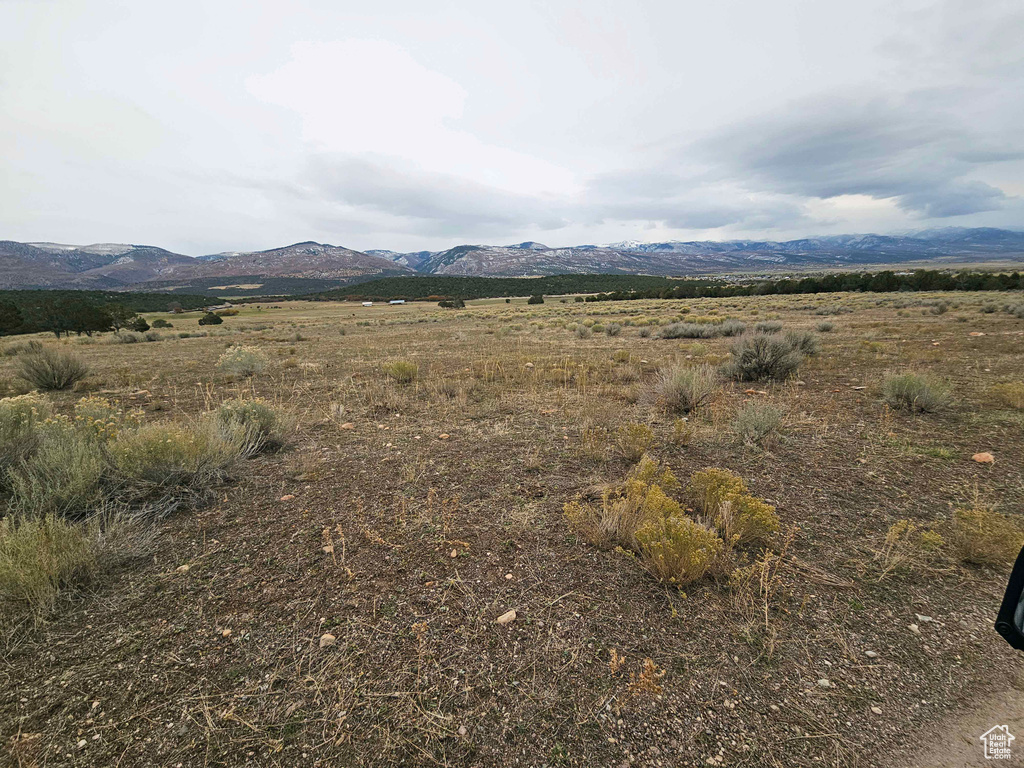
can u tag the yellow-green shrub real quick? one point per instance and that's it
(633, 440)
(242, 361)
(20, 418)
(678, 550)
(255, 422)
(62, 476)
(708, 488)
(174, 454)
(40, 556)
(983, 536)
(102, 419)
(402, 371)
(1010, 394)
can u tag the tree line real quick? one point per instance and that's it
(886, 281)
(84, 312)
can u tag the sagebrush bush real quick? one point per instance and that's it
(41, 556)
(242, 361)
(757, 423)
(684, 389)
(402, 371)
(915, 393)
(678, 550)
(768, 326)
(63, 474)
(166, 455)
(103, 419)
(254, 422)
(803, 341)
(51, 369)
(21, 347)
(825, 326)
(763, 357)
(982, 536)
(633, 440)
(583, 332)
(20, 418)
(702, 330)
(126, 337)
(613, 329)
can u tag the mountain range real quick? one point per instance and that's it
(308, 266)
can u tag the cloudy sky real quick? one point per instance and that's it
(216, 125)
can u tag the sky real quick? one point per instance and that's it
(406, 125)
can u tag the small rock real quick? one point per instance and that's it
(975, 333)
(348, 425)
(914, 628)
(507, 617)
(181, 569)
(644, 362)
(455, 553)
(824, 683)
(923, 619)
(82, 743)
(443, 436)
(984, 458)
(327, 640)
(877, 710)
(463, 730)
(528, 365)
(871, 654)
(225, 633)
(508, 576)
(288, 497)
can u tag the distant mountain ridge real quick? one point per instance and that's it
(117, 266)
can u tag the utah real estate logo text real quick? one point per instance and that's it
(996, 741)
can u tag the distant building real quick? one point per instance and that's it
(367, 303)
(397, 301)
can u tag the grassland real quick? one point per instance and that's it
(334, 601)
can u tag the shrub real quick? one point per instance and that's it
(732, 328)
(1010, 394)
(137, 324)
(169, 455)
(402, 371)
(825, 326)
(643, 496)
(535, 299)
(685, 388)
(633, 440)
(763, 358)
(126, 337)
(756, 423)
(644, 332)
(51, 369)
(768, 326)
(914, 393)
(722, 499)
(211, 319)
(152, 336)
(709, 488)
(583, 332)
(744, 520)
(242, 361)
(226, 312)
(20, 418)
(803, 341)
(256, 422)
(62, 476)
(687, 331)
(678, 550)
(161, 323)
(20, 347)
(39, 557)
(983, 536)
(613, 329)
(102, 419)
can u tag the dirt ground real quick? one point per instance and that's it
(403, 519)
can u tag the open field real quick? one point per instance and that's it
(412, 505)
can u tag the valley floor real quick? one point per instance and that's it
(402, 519)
